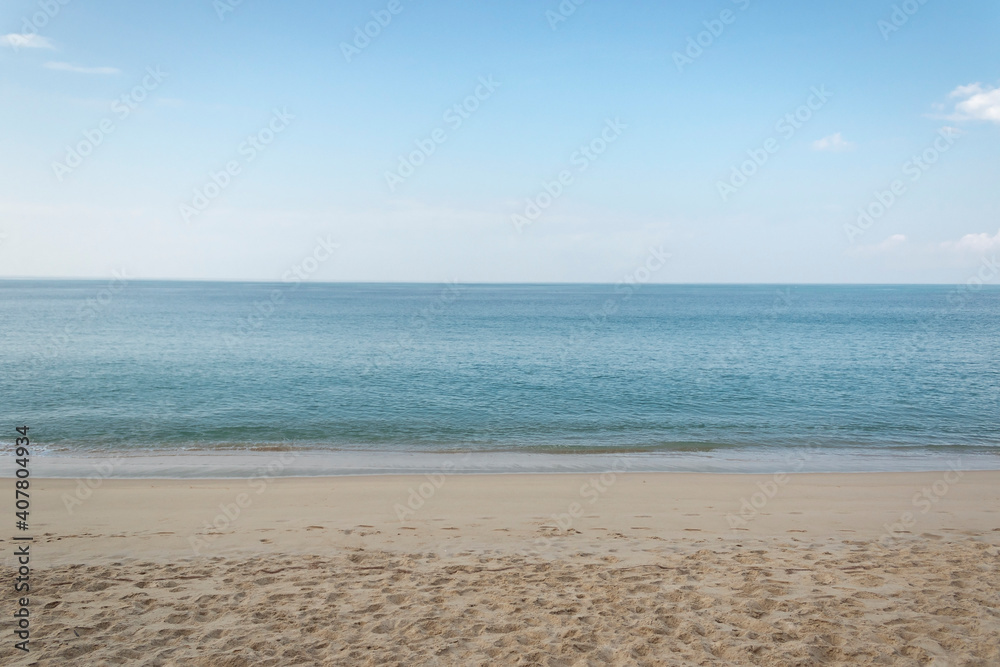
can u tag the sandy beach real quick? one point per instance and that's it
(624, 569)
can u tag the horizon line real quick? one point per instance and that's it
(435, 283)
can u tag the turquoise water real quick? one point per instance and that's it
(96, 367)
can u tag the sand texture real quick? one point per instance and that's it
(486, 571)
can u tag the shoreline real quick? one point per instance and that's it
(350, 463)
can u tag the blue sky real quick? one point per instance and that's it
(310, 135)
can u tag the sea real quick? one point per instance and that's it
(210, 379)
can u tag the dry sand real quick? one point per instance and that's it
(653, 569)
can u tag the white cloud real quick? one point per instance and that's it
(69, 67)
(834, 143)
(974, 243)
(976, 102)
(937, 254)
(893, 241)
(18, 41)
(966, 91)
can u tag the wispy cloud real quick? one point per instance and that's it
(974, 243)
(834, 143)
(967, 249)
(69, 67)
(976, 102)
(18, 41)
